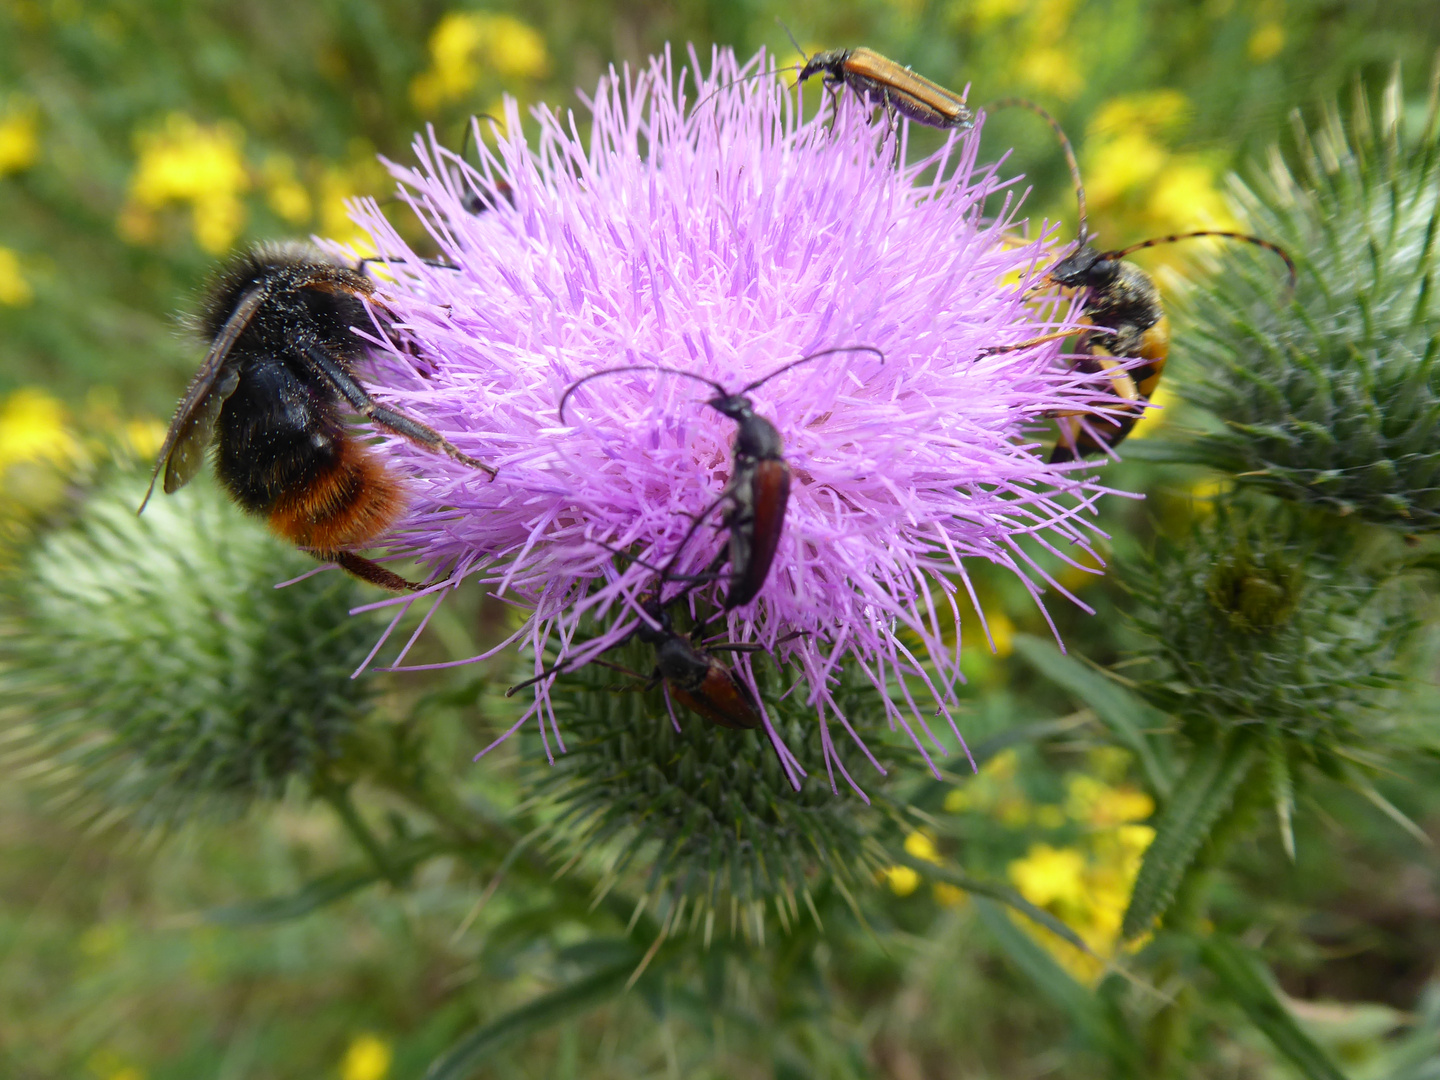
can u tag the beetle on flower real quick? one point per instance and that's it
(727, 242)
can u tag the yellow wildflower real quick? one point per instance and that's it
(1153, 111)
(15, 289)
(1266, 42)
(338, 185)
(1185, 196)
(922, 846)
(1002, 632)
(947, 895)
(367, 1058)
(188, 162)
(903, 881)
(986, 12)
(1049, 875)
(1003, 766)
(19, 135)
(144, 437)
(1096, 803)
(1050, 19)
(283, 190)
(465, 44)
(1051, 69)
(1122, 163)
(32, 427)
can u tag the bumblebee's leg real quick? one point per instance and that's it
(383, 415)
(366, 570)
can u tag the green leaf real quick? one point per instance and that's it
(1247, 986)
(1201, 796)
(1121, 711)
(995, 891)
(1085, 1010)
(322, 891)
(317, 894)
(467, 1055)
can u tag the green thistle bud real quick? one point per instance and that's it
(704, 817)
(1252, 621)
(151, 665)
(1333, 397)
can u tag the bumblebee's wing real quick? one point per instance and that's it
(194, 424)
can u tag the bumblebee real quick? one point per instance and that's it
(270, 396)
(1124, 304)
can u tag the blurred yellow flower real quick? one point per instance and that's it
(1153, 110)
(19, 134)
(32, 427)
(1185, 196)
(1093, 802)
(1266, 42)
(144, 437)
(903, 881)
(992, 11)
(1051, 69)
(367, 1058)
(188, 162)
(1002, 632)
(922, 846)
(1087, 886)
(15, 290)
(1049, 875)
(338, 185)
(1119, 164)
(1050, 19)
(1003, 766)
(466, 43)
(947, 895)
(283, 191)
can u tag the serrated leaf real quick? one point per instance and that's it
(1244, 983)
(467, 1055)
(1201, 796)
(1121, 711)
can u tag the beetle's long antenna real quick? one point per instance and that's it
(742, 78)
(1065, 145)
(1246, 237)
(632, 367)
(805, 360)
(792, 39)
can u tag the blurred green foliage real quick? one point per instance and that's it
(406, 922)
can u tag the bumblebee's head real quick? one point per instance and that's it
(1085, 268)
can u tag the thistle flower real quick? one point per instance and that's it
(728, 240)
(1333, 399)
(152, 669)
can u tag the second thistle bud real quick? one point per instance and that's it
(1332, 397)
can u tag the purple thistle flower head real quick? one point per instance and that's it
(727, 241)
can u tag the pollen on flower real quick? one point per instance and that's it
(706, 225)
